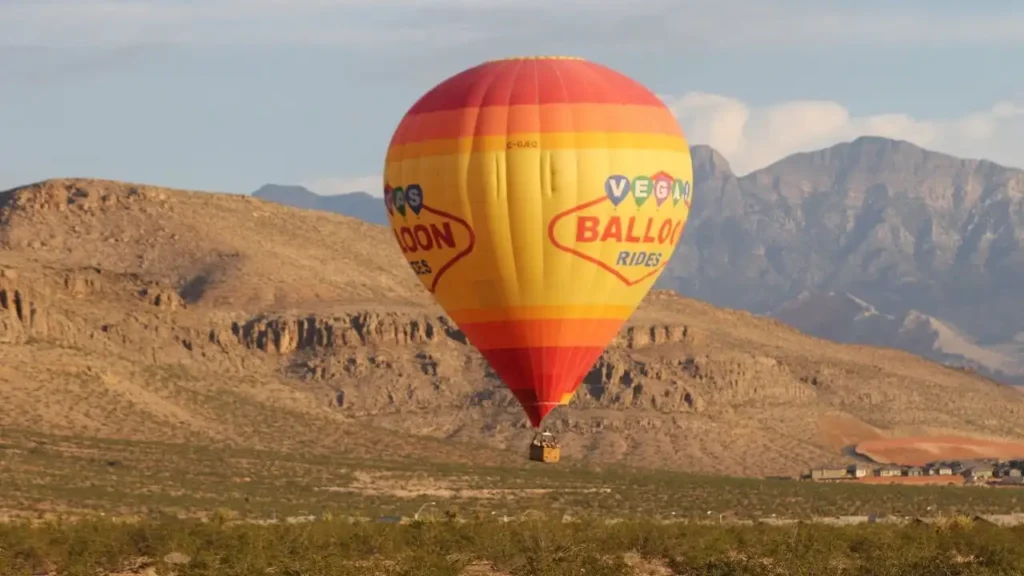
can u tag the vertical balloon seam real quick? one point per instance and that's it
(616, 154)
(536, 111)
(584, 357)
(496, 157)
(545, 216)
(512, 162)
(467, 197)
(573, 355)
(611, 156)
(576, 354)
(501, 196)
(508, 159)
(475, 162)
(586, 275)
(552, 164)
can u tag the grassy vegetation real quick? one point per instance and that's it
(533, 548)
(75, 476)
(96, 506)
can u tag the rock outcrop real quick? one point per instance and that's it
(139, 312)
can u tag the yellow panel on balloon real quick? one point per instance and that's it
(538, 199)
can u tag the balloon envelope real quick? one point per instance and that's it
(538, 199)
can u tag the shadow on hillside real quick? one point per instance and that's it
(594, 383)
(850, 451)
(452, 331)
(194, 289)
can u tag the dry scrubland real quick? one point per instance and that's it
(333, 548)
(171, 354)
(47, 477)
(134, 508)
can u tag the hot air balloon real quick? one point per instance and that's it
(538, 199)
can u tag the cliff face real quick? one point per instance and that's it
(282, 347)
(904, 230)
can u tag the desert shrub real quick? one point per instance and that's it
(590, 546)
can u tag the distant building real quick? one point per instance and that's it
(858, 471)
(913, 471)
(979, 472)
(939, 470)
(889, 471)
(829, 474)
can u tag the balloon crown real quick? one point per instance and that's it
(536, 58)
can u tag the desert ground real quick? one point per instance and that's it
(920, 450)
(137, 312)
(196, 367)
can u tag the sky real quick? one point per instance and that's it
(228, 95)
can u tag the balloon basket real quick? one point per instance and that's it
(545, 448)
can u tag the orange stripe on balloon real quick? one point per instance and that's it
(480, 315)
(553, 141)
(542, 378)
(542, 333)
(543, 119)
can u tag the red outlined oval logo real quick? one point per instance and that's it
(644, 233)
(431, 240)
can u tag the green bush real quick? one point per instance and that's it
(593, 548)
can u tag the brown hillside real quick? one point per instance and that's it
(141, 312)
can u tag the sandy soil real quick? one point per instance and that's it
(917, 451)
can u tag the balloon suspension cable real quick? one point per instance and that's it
(544, 438)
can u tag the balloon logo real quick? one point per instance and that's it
(538, 199)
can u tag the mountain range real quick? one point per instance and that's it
(356, 204)
(874, 241)
(148, 314)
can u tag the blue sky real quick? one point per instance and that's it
(227, 95)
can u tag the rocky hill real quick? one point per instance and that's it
(846, 318)
(903, 229)
(907, 231)
(141, 312)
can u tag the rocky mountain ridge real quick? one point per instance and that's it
(846, 318)
(901, 228)
(146, 313)
(897, 226)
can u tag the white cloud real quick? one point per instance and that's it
(330, 185)
(752, 137)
